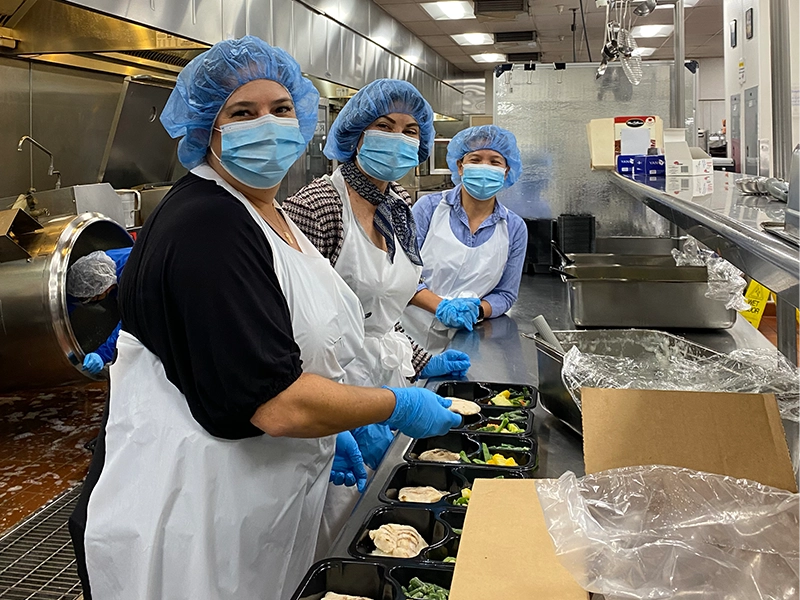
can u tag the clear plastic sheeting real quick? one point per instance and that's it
(661, 532)
(726, 283)
(671, 367)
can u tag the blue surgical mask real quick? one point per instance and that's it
(259, 152)
(387, 156)
(482, 182)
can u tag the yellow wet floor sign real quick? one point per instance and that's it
(757, 297)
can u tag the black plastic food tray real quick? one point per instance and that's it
(481, 391)
(374, 580)
(470, 443)
(441, 476)
(435, 525)
(494, 415)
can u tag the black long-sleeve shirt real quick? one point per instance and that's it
(200, 292)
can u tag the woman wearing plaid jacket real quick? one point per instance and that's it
(360, 219)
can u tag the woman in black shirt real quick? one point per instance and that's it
(211, 472)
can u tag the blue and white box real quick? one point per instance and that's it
(650, 165)
(625, 164)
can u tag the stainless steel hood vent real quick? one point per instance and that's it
(167, 58)
(52, 31)
(11, 11)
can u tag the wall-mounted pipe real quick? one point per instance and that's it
(41, 343)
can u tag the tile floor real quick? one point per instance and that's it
(42, 437)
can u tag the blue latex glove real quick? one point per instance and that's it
(449, 362)
(348, 465)
(458, 313)
(419, 413)
(373, 441)
(93, 364)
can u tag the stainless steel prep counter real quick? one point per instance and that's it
(729, 223)
(500, 354)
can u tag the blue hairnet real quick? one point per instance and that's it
(209, 79)
(379, 98)
(485, 137)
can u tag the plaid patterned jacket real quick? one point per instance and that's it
(317, 210)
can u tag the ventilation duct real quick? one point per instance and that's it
(499, 10)
(524, 57)
(516, 37)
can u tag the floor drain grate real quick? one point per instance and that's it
(36, 557)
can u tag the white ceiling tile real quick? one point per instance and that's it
(407, 13)
(436, 41)
(429, 27)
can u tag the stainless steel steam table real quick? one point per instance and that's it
(499, 353)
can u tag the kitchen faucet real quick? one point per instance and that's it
(50, 169)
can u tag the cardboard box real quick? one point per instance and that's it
(740, 435)
(605, 135)
(650, 166)
(625, 164)
(498, 560)
(689, 187)
(683, 160)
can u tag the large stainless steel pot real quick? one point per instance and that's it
(41, 344)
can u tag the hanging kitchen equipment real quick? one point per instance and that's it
(645, 8)
(631, 61)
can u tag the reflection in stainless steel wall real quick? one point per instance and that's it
(15, 167)
(320, 43)
(72, 114)
(549, 116)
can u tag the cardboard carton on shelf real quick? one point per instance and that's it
(605, 137)
(683, 160)
(687, 188)
(739, 435)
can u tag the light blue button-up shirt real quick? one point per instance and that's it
(503, 296)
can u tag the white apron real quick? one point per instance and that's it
(453, 270)
(180, 514)
(384, 289)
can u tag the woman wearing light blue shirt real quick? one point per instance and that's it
(472, 247)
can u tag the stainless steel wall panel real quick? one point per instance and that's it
(381, 63)
(370, 61)
(72, 114)
(336, 59)
(282, 23)
(549, 120)
(329, 7)
(199, 20)
(234, 18)
(400, 42)
(381, 25)
(261, 21)
(353, 51)
(15, 167)
(318, 42)
(302, 41)
(355, 15)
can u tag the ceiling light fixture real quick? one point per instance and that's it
(489, 57)
(451, 10)
(643, 51)
(473, 39)
(651, 31)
